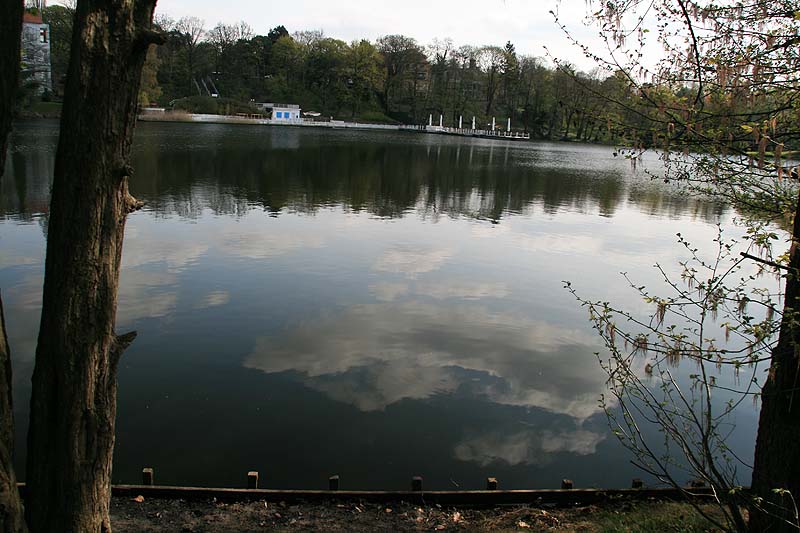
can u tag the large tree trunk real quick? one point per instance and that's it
(777, 461)
(11, 515)
(10, 42)
(73, 404)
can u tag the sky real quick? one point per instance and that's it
(526, 23)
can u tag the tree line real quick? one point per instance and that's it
(394, 79)
(228, 67)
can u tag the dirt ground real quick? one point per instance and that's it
(132, 515)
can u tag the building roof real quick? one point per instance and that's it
(31, 18)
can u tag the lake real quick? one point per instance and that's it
(377, 305)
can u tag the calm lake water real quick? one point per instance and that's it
(369, 304)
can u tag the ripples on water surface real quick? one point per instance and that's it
(376, 305)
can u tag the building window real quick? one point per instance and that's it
(43, 35)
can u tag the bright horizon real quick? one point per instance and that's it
(528, 25)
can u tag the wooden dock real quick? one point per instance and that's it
(483, 134)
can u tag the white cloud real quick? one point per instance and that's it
(388, 292)
(253, 244)
(411, 262)
(176, 252)
(144, 294)
(533, 447)
(464, 290)
(457, 289)
(214, 299)
(10, 259)
(373, 355)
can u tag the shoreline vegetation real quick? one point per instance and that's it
(155, 509)
(140, 514)
(225, 69)
(243, 118)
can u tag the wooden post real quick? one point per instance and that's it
(252, 480)
(491, 483)
(566, 484)
(416, 483)
(147, 476)
(333, 483)
(637, 484)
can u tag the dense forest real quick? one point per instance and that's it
(228, 67)
(394, 79)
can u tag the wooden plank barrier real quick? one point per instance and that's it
(477, 498)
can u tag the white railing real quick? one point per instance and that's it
(480, 133)
(310, 122)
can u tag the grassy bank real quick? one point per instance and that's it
(42, 110)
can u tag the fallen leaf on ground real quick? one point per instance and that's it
(138, 499)
(523, 525)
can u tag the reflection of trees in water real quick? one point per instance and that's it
(233, 174)
(386, 180)
(25, 189)
(652, 199)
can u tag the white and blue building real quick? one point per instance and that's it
(282, 112)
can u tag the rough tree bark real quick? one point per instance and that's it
(11, 514)
(777, 460)
(73, 403)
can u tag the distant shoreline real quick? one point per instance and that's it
(171, 116)
(197, 118)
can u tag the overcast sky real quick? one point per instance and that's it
(526, 23)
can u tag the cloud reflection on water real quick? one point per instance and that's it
(530, 446)
(411, 262)
(374, 355)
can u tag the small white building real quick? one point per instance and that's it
(282, 112)
(287, 112)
